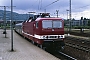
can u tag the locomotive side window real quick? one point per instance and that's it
(36, 24)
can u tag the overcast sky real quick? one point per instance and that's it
(79, 7)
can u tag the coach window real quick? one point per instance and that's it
(36, 24)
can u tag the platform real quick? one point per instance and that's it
(23, 50)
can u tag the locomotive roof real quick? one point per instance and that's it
(38, 19)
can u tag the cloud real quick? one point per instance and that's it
(1, 2)
(23, 6)
(42, 4)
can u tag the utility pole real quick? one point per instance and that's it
(67, 23)
(82, 29)
(12, 25)
(45, 10)
(57, 12)
(4, 20)
(67, 13)
(70, 16)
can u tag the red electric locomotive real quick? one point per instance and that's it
(44, 31)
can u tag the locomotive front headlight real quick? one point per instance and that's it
(58, 36)
(44, 37)
(41, 37)
(62, 36)
(47, 37)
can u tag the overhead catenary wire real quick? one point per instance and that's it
(39, 4)
(75, 9)
(52, 3)
(80, 8)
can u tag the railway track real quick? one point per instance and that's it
(67, 56)
(79, 47)
(61, 55)
(78, 43)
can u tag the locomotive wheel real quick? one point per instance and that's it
(24, 37)
(32, 42)
(37, 45)
(41, 46)
(44, 48)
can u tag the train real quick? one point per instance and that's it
(43, 31)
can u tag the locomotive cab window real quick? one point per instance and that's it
(47, 23)
(51, 24)
(57, 24)
(36, 24)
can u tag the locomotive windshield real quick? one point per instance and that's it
(51, 24)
